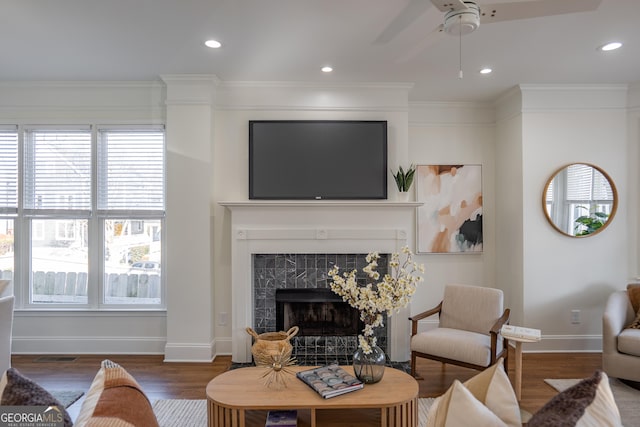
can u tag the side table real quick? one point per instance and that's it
(520, 335)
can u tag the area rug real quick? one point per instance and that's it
(627, 398)
(193, 412)
(66, 397)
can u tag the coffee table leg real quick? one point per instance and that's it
(313, 417)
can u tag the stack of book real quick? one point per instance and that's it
(282, 419)
(330, 381)
(519, 332)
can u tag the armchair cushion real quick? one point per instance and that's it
(472, 308)
(455, 344)
(629, 342)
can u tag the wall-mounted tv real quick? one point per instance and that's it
(317, 159)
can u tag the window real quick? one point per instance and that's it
(8, 198)
(92, 206)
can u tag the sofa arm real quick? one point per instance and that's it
(617, 314)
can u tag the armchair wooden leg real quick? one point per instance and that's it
(413, 367)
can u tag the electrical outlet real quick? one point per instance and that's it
(222, 319)
(575, 317)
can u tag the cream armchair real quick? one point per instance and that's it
(620, 346)
(468, 333)
(6, 323)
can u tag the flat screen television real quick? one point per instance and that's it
(317, 159)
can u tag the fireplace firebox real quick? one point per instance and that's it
(317, 312)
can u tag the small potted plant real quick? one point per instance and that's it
(404, 179)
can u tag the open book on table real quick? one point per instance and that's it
(329, 381)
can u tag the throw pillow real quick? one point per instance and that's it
(636, 323)
(457, 407)
(490, 389)
(18, 390)
(115, 399)
(588, 403)
(633, 291)
(493, 388)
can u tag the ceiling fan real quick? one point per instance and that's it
(465, 16)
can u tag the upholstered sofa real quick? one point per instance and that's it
(620, 344)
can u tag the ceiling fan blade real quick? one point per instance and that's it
(429, 40)
(496, 12)
(412, 11)
(447, 5)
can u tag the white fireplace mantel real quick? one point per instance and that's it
(262, 227)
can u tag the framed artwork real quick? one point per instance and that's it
(450, 220)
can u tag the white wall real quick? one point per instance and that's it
(456, 133)
(562, 125)
(519, 141)
(84, 103)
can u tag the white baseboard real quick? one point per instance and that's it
(87, 345)
(189, 352)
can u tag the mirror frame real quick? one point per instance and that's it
(614, 208)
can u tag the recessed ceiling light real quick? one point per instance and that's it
(214, 44)
(486, 71)
(611, 46)
(327, 69)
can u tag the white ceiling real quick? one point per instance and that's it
(289, 40)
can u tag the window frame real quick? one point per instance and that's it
(96, 246)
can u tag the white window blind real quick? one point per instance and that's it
(579, 180)
(131, 170)
(587, 183)
(57, 172)
(8, 172)
(602, 190)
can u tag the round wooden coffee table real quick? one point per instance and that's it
(239, 398)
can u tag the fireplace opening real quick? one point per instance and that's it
(317, 312)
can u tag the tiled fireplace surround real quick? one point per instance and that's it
(272, 272)
(311, 231)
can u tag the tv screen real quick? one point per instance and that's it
(317, 159)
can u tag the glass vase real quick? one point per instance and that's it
(369, 368)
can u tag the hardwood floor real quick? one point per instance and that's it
(188, 380)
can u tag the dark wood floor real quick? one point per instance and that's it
(188, 380)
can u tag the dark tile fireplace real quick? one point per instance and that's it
(293, 290)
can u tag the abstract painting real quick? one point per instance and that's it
(450, 220)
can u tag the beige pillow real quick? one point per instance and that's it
(490, 388)
(458, 407)
(493, 388)
(589, 403)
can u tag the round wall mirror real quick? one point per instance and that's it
(580, 200)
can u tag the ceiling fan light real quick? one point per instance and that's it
(486, 70)
(326, 69)
(213, 44)
(610, 46)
